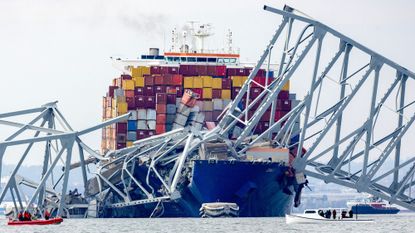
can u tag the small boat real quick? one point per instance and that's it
(219, 209)
(57, 220)
(313, 216)
(372, 205)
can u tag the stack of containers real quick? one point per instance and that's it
(157, 99)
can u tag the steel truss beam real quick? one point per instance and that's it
(65, 137)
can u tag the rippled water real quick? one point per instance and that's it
(383, 223)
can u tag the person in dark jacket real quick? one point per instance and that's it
(334, 214)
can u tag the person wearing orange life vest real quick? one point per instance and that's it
(47, 215)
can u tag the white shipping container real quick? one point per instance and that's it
(268, 154)
(142, 125)
(171, 109)
(217, 104)
(151, 124)
(183, 109)
(133, 115)
(141, 114)
(180, 119)
(151, 114)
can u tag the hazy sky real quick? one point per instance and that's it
(59, 50)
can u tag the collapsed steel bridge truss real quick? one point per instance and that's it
(51, 130)
(355, 117)
(351, 124)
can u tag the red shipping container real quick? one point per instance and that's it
(211, 70)
(177, 80)
(159, 89)
(198, 91)
(266, 116)
(130, 103)
(171, 98)
(160, 129)
(279, 115)
(111, 91)
(208, 116)
(121, 145)
(161, 108)
(161, 98)
(150, 102)
(221, 71)
(215, 114)
(226, 83)
(201, 69)
(235, 72)
(148, 91)
(161, 119)
(139, 91)
(148, 80)
(150, 133)
(126, 77)
(179, 91)
(216, 93)
(285, 105)
(128, 93)
(235, 92)
(168, 79)
(255, 92)
(171, 90)
(121, 127)
(140, 101)
(155, 70)
(158, 80)
(284, 95)
(141, 134)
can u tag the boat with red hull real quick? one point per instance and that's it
(36, 222)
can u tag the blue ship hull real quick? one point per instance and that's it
(260, 190)
(367, 209)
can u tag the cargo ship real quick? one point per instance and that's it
(191, 86)
(371, 205)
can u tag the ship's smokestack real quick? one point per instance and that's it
(154, 52)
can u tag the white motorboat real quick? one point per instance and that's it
(313, 216)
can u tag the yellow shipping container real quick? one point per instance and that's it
(197, 82)
(129, 143)
(128, 85)
(217, 83)
(226, 94)
(122, 108)
(188, 82)
(207, 93)
(286, 86)
(243, 80)
(236, 81)
(139, 81)
(139, 71)
(207, 81)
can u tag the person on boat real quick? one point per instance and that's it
(47, 215)
(328, 214)
(27, 216)
(20, 216)
(334, 213)
(343, 214)
(321, 213)
(350, 213)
